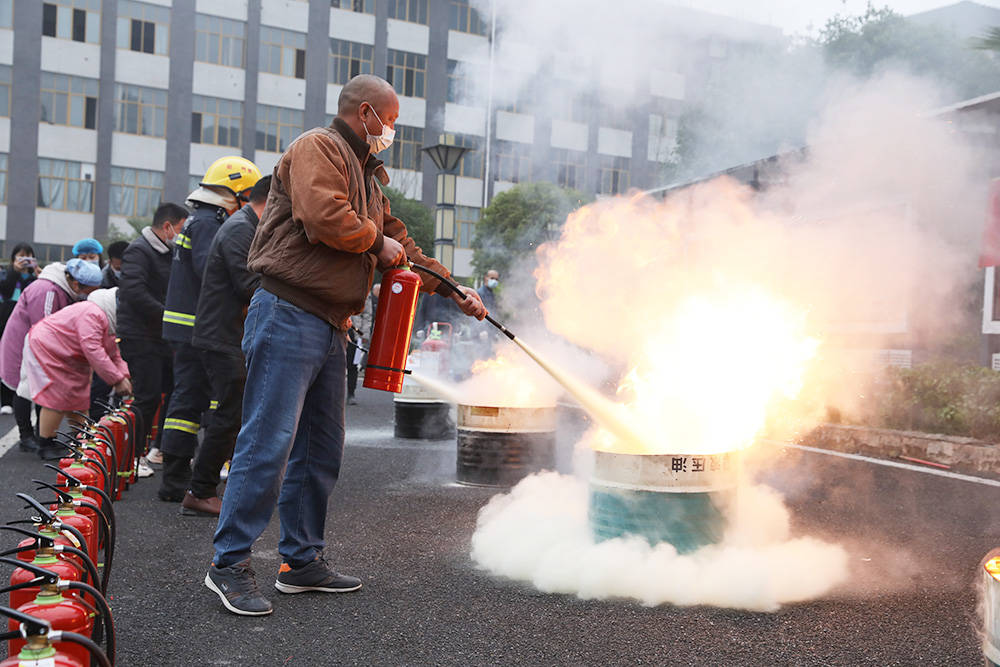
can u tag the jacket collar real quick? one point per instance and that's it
(154, 241)
(370, 163)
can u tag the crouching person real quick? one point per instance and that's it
(60, 354)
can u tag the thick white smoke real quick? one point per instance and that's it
(539, 533)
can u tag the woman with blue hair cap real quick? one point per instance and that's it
(57, 286)
(89, 250)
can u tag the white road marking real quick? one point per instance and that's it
(890, 464)
(9, 439)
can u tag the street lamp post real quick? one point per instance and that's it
(445, 155)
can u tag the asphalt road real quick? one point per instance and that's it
(398, 521)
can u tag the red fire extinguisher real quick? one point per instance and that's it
(49, 556)
(62, 613)
(391, 334)
(46, 646)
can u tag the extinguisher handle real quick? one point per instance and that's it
(30, 626)
(43, 574)
(30, 533)
(95, 651)
(63, 496)
(42, 509)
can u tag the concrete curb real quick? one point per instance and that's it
(960, 454)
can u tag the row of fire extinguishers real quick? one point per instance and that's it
(58, 611)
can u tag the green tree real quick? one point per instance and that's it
(519, 220)
(129, 233)
(418, 218)
(880, 37)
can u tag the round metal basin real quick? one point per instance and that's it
(499, 446)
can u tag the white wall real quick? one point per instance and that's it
(62, 227)
(4, 135)
(227, 9)
(202, 155)
(614, 142)
(352, 26)
(67, 143)
(468, 47)
(469, 191)
(219, 81)
(463, 263)
(3, 222)
(464, 120)
(515, 127)
(265, 161)
(142, 69)
(502, 186)
(333, 95)
(138, 152)
(412, 111)
(6, 47)
(287, 14)
(407, 36)
(407, 181)
(68, 57)
(666, 84)
(281, 91)
(569, 135)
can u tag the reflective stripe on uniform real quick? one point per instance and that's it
(173, 317)
(183, 241)
(213, 405)
(181, 425)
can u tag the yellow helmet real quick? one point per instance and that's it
(232, 172)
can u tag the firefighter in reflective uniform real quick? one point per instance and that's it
(221, 193)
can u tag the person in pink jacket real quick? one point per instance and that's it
(58, 286)
(60, 354)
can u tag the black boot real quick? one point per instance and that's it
(28, 442)
(176, 478)
(50, 450)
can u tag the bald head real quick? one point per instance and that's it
(367, 103)
(364, 88)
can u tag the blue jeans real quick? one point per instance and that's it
(290, 446)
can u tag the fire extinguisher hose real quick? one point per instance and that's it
(95, 651)
(457, 290)
(105, 611)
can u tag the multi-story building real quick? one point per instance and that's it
(108, 107)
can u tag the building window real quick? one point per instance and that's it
(575, 108)
(471, 164)
(219, 41)
(4, 90)
(143, 27)
(570, 167)
(135, 193)
(466, 218)
(215, 121)
(616, 117)
(360, 6)
(347, 60)
(513, 162)
(614, 175)
(277, 127)
(405, 151)
(3, 178)
(140, 110)
(414, 11)
(6, 13)
(78, 20)
(194, 182)
(406, 72)
(283, 52)
(63, 187)
(462, 78)
(69, 100)
(464, 18)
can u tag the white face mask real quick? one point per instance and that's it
(379, 142)
(95, 262)
(492, 282)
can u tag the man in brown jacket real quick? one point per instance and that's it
(325, 228)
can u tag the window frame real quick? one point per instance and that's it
(613, 169)
(411, 11)
(334, 63)
(210, 30)
(84, 20)
(89, 102)
(297, 53)
(282, 136)
(121, 113)
(153, 23)
(407, 144)
(217, 113)
(411, 62)
(368, 6)
(68, 166)
(463, 17)
(136, 187)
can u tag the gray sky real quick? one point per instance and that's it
(797, 15)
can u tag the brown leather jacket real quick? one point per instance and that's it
(318, 239)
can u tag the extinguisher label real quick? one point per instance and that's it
(44, 662)
(72, 538)
(397, 288)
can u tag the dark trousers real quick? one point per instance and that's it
(227, 376)
(100, 392)
(22, 415)
(150, 366)
(6, 395)
(190, 399)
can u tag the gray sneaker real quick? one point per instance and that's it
(316, 576)
(237, 588)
